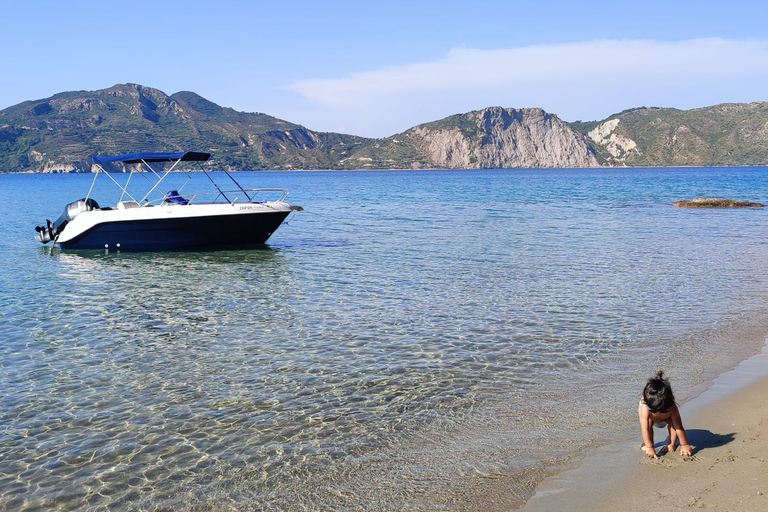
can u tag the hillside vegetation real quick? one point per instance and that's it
(63, 132)
(721, 135)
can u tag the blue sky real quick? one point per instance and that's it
(376, 68)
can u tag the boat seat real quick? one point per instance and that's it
(124, 205)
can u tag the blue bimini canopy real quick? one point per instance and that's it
(137, 158)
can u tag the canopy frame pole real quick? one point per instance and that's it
(158, 176)
(215, 184)
(250, 200)
(124, 189)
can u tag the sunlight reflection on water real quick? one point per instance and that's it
(402, 343)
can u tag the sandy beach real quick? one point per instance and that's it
(728, 429)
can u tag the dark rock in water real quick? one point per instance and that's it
(709, 202)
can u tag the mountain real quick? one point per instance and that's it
(499, 138)
(492, 138)
(63, 132)
(721, 135)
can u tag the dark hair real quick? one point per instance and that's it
(657, 394)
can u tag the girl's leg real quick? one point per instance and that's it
(672, 438)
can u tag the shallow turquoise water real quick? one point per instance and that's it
(428, 340)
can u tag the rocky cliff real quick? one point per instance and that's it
(499, 138)
(492, 138)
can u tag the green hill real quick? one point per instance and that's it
(63, 132)
(728, 134)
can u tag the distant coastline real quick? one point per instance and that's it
(61, 133)
(435, 169)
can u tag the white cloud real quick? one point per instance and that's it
(585, 80)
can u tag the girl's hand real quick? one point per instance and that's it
(686, 450)
(650, 452)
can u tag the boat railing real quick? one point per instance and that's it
(238, 196)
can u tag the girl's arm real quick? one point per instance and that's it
(677, 423)
(646, 429)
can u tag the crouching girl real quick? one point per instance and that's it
(658, 408)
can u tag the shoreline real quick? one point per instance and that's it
(728, 470)
(606, 167)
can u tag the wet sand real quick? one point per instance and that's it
(728, 428)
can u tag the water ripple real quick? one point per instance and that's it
(405, 347)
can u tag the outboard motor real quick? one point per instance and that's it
(51, 230)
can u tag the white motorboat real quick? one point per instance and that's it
(152, 220)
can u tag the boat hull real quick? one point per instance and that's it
(173, 232)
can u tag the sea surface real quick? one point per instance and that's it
(432, 340)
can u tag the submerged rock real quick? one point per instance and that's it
(709, 202)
